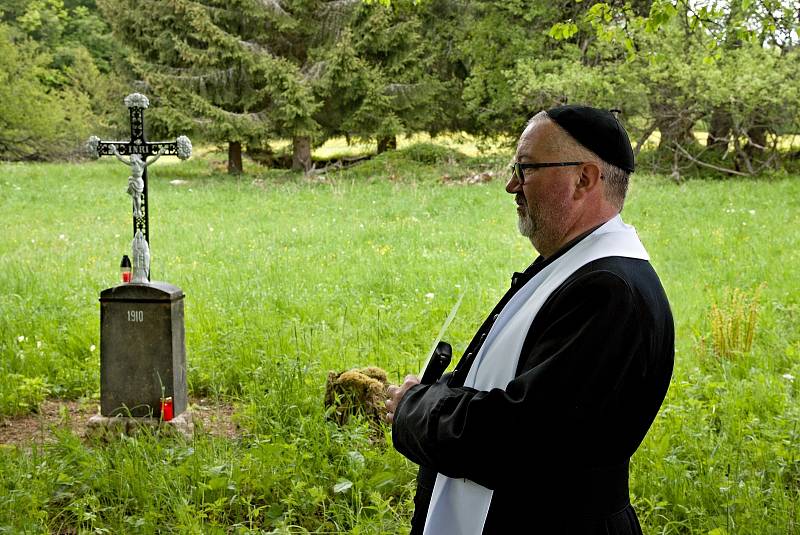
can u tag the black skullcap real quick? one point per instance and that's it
(597, 130)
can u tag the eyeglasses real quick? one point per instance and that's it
(518, 169)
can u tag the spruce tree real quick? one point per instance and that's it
(211, 65)
(392, 71)
(244, 71)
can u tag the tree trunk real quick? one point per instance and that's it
(235, 158)
(719, 129)
(675, 127)
(301, 154)
(387, 143)
(757, 141)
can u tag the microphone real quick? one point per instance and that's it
(437, 364)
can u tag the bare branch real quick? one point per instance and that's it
(710, 166)
(340, 163)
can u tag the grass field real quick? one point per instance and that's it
(287, 278)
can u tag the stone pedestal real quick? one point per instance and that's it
(111, 427)
(142, 350)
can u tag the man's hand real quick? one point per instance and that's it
(396, 393)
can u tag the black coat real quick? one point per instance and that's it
(555, 444)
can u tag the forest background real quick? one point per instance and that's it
(707, 82)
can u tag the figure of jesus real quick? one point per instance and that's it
(136, 180)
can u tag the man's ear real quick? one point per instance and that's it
(588, 180)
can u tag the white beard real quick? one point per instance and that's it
(525, 225)
(545, 226)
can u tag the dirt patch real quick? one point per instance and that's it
(214, 417)
(210, 416)
(39, 427)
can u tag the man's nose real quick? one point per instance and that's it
(513, 185)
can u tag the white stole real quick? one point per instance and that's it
(460, 506)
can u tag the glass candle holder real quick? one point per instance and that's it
(125, 269)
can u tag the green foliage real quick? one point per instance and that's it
(36, 121)
(429, 153)
(563, 30)
(199, 74)
(251, 70)
(412, 82)
(22, 394)
(308, 70)
(60, 59)
(731, 78)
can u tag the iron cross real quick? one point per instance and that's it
(138, 149)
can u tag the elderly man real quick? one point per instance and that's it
(534, 429)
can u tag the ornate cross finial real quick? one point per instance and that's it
(137, 100)
(137, 150)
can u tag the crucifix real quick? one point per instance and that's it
(138, 149)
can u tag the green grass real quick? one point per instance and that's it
(286, 278)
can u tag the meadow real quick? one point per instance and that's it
(288, 277)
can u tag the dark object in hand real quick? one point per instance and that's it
(438, 363)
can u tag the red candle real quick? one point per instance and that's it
(125, 269)
(166, 409)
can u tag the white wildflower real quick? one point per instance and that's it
(788, 376)
(20, 338)
(92, 348)
(429, 295)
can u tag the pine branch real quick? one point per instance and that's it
(258, 48)
(189, 73)
(342, 4)
(274, 6)
(313, 72)
(399, 89)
